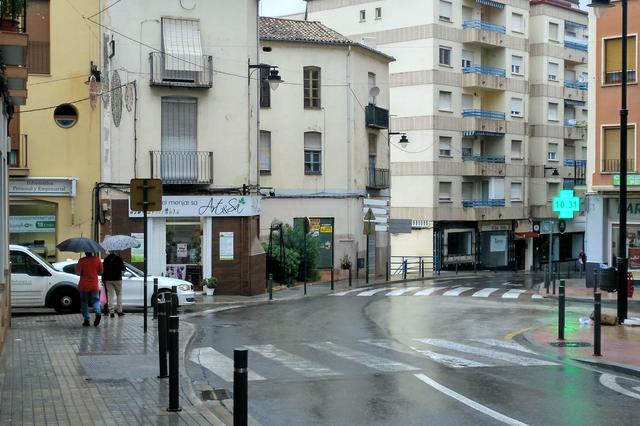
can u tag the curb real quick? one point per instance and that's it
(620, 368)
(590, 300)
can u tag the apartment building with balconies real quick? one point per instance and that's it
(461, 89)
(183, 108)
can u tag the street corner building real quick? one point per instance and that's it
(181, 108)
(492, 96)
(324, 141)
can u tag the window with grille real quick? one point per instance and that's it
(311, 87)
(312, 153)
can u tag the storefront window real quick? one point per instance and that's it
(184, 249)
(633, 245)
(459, 243)
(494, 248)
(33, 224)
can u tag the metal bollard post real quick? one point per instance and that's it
(386, 271)
(174, 300)
(597, 309)
(554, 286)
(162, 335)
(421, 268)
(456, 268)
(155, 293)
(240, 387)
(270, 286)
(554, 273)
(331, 278)
(547, 279)
(349, 277)
(174, 386)
(404, 270)
(561, 312)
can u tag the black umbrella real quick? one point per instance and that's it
(80, 245)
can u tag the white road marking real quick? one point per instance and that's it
(296, 363)
(342, 293)
(218, 364)
(487, 353)
(537, 296)
(468, 402)
(374, 291)
(427, 291)
(485, 292)
(363, 358)
(508, 344)
(457, 291)
(609, 381)
(401, 291)
(513, 294)
(449, 360)
(388, 344)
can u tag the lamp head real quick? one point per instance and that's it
(274, 78)
(404, 141)
(600, 6)
(555, 173)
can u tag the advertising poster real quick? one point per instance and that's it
(181, 250)
(226, 246)
(137, 253)
(498, 243)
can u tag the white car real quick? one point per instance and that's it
(133, 284)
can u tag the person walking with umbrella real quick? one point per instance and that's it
(89, 267)
(112, 279)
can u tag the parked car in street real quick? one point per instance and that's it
(133, 284)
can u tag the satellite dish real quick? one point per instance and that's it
(374, 91)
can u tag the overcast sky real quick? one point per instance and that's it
(281, 7)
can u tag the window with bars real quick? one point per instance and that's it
(311, 87)
(312, 153)
(264, 153)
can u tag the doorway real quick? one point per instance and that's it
(184, 249)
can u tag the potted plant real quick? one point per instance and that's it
(345, 262)
(11, 12)
(210, 285)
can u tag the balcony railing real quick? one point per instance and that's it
(497, 159)
(479, 69)
(577, 45)
(571, 183)
(481, 25)
(615, 77)
(572, 122)
(376, 117)
(613, 166)
(483, 203)
(572, 84)
(378, 178)
(493, 115)
(13, 15)
(576, 163)
(160, 76)
(182, 167)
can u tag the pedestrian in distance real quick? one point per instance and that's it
(112, 279)
(582, 258)
(89, 267)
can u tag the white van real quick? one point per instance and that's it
(35, 283)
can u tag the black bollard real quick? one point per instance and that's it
(161, 305)
(174, 385)
(421, 268)
(240, 387)
(174, 300)
(386, 271)
(349, 276)
(547, 278)
(404, 269)
(331, 278)
(155, 294)
(597, 312)
(561, 312)
(270, 286)
(456, 268)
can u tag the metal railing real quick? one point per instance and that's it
(577, 163)
(182, 167)
(378, 178)
(480, 69)
(412, 265)
(615, 77)
(14, 16)
(483, 203)
(199, 78)
(573, 84)
(493, 115)
(613, 165)
(483, 158)
(570, 44)
(481, 25)
(572, 122)
(571, 183)
(376, 117)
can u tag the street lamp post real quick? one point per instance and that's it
(403, 143)
(621, 261)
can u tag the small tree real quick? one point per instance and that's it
(294, 255)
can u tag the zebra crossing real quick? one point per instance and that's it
(456, 291)
(327, 359)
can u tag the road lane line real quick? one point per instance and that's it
(295, 362)
(374, 291)
(427, 291)
(218, 364)
(342, 293)
(457, 291)
(537, 296)
(377, 363)
(513, 294)
(487, 353)
(468, 402)
(609, 381)
(507, 344)
(401, 291)
(485, 292)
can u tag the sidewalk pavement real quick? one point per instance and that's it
(576, 289)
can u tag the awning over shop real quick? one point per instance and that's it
(471, 133)
(491, 3)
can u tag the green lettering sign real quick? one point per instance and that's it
(632, 180)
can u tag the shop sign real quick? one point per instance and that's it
(226, 246)
(23, 224)
(488, 227)
(205, 206)
(51, 187)
(633, 209)
(632, 180)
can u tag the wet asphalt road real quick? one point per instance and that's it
(354, 360)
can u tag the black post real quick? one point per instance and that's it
(270, 286)
(332, 278)
(621, 260)
(554, 281)
(174, 385)
(304, 254)
(366, 262)
(174, 300)
(146, 238)
(561, 312)
(456, 268)
(155, 294)
(421, 267)
(404, 269)
(597, 309)
(386, 271)
(240, 387)
(547, 280)
(350, 276)
(162, 335)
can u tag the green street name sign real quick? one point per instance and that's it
(566, 204)
(631, 180)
